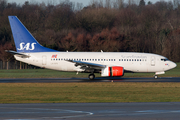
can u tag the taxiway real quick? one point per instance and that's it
(91, 111)
(69, 80)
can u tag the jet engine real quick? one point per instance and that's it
(113, 71)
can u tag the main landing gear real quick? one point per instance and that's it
(91, 76)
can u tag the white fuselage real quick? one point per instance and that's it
(107, 63)
(134, 62)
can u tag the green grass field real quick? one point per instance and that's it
(85, 92)
(44, 73)
(88, 92)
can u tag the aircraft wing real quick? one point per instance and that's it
(22, 55)
(87, 65)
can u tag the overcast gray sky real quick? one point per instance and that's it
(85, 2)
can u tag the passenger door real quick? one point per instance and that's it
(44, 60)
(153, 61)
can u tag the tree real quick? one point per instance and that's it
(149, 3)
(141, 3)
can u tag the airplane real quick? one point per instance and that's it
(108, 64)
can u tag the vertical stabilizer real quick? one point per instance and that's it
(23, 39)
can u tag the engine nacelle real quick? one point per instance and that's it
(114, 71)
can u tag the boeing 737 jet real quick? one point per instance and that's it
(109, 64)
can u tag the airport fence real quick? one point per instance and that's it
(15, 65)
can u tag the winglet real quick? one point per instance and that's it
(24, 41)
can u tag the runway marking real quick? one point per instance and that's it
(72, 111)
(159, 111)
(56, 111)
(135, 113)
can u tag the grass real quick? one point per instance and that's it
(44, 73)
(88, 92)
(85, 92)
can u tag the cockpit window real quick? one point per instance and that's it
(164, 59)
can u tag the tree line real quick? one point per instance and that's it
(111, 26)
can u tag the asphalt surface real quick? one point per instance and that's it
(70, 80)
(91, 111)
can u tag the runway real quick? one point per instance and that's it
(91, 111)
(76, 80)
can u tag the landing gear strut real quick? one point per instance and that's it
(91, 76)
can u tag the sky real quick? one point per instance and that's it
(85, 2)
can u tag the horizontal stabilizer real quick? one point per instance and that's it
(17, 54)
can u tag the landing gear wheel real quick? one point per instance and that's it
(155, 77)
(91, 76)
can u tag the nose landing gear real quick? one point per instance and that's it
(155, 77)
(158, 73)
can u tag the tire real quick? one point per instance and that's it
(91, 77)
(155, 77)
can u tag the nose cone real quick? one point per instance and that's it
(173, 65)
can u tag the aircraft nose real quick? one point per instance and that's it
(173, 65)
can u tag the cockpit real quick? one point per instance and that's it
(164, 59)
